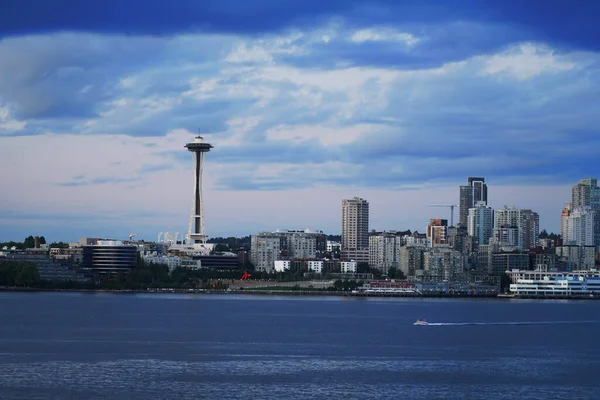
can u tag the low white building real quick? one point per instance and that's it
(170, 261)
(281, 265)
(332, 246)
(315, 266)
(348, 267)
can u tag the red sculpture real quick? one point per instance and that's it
(246, 276)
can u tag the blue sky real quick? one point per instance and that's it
(306, 103)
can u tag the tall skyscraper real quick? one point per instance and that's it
(480, 223)
(479, 189)
(355, 229)
(586, 193)
(474, 192)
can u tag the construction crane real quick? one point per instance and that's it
(131, 236)
(451, 206)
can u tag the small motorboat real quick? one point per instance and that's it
(421, 322)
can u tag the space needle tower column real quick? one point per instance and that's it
(196, 232)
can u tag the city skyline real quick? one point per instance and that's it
(306, 105)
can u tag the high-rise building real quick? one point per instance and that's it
(480, 223)
(355, 229)
(479, 189)
(526, 222)
(474, 192)
(586, 193)
(530, 229)
(579, 227)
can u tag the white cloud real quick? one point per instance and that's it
(7, 123)
(384, 35)
(263, 50)
(526, 61)
(327, 135)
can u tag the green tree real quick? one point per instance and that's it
(338, 285)
(29, 242)
(221, 247)
(363, 268)
(396, 273)
(27, 276)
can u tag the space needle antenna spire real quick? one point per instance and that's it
(196, 230)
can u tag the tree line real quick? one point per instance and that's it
(18, 274)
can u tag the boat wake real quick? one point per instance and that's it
(509, 323)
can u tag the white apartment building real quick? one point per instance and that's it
(315, 266)
(579, 227)
(348, 267)
(281, 265)
(265, 249)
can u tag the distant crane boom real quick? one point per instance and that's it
(450, 206)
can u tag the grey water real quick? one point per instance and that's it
(170, 346)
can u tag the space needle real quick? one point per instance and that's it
(196, 232)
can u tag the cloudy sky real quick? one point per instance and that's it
(306, 102)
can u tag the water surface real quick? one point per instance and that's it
(171, 346)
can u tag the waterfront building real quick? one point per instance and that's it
(541, 282)
(109, 257)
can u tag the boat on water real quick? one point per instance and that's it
(421, 322)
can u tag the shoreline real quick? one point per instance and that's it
(500, 296)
